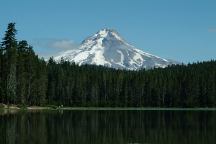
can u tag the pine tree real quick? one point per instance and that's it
(9, 44)
(1, 76)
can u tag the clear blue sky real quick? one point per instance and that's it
(183, 30)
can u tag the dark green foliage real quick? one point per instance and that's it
(22, 73)
(29, 80)
(9, 50)
(175, 86)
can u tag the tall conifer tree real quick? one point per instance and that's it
(9, 44)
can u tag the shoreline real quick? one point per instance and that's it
(38, 108)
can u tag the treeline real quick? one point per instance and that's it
(29, 80)
(23, 76)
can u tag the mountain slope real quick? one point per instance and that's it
(107, 48)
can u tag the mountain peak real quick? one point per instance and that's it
(106, 30)
(107, 48)
(108, 34)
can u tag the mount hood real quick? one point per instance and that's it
(108, 48)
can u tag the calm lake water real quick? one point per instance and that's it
(108, 127)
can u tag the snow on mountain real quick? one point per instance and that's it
(107, 48)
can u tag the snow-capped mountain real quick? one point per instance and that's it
(107, 48)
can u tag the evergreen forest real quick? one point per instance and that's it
(27, 79)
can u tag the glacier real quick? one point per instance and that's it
(107, 48)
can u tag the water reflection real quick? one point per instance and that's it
(108, 127)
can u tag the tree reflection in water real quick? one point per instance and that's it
(108, 127)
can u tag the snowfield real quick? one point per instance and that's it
(108, 48)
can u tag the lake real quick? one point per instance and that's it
(108, 127)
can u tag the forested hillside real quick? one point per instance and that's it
(29, 80)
